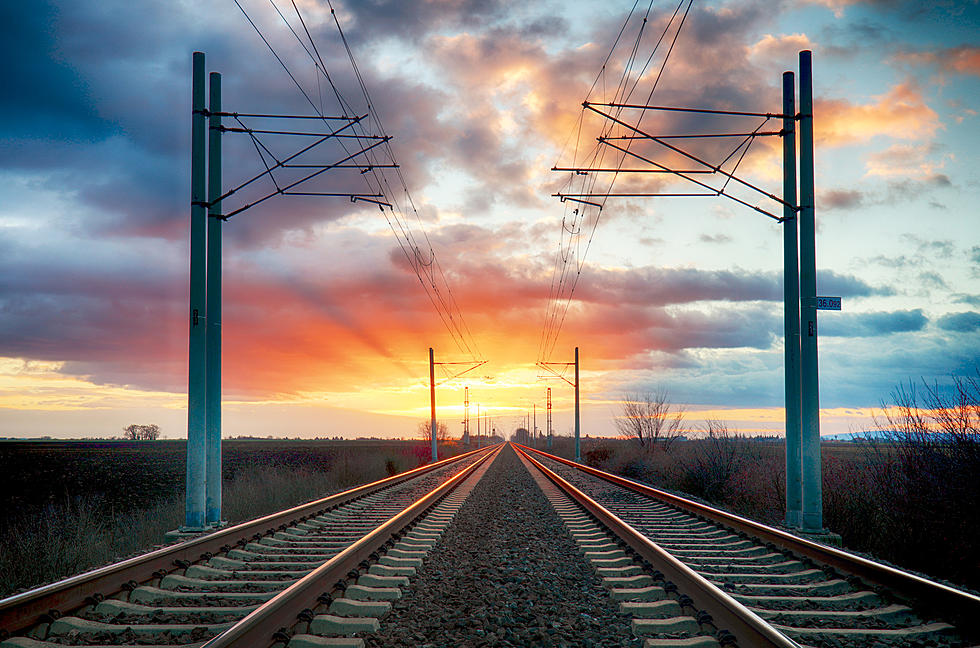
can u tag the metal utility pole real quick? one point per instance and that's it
(578, 428)
(466, 416)
(432, 401)
(195, 502)
(534, 427)
(203, 482)
(791, 308)
(477, 425)
(213, 319)
(812, 487)
(549, 417)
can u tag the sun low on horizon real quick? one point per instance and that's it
(332, 301)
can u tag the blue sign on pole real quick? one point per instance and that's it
(828, 303)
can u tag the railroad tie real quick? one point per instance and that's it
(364, 604)
(658, 617)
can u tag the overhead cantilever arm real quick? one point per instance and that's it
(325, 168)
(716, 192)
(472, 365)
(680, 151)
(547, 367)
(281, 163)
(705, 111)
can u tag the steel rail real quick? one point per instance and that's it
(21, 611)
(727, 613)
(960, 607)
(264, 624)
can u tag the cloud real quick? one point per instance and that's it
(964, 298)
(667, 286)
(780, 48)
(960, 322)
(964, 59)
(841, 199)
(715, 238)
(902, 112)
(872, 324)
(908, 160)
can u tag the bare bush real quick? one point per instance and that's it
(136, 432)
(650, 419)
(924, 467)
(713, 463)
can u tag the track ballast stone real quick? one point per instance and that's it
(505, 573)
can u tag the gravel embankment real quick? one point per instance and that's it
(505, 574)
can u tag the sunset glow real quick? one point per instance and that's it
(326, 326)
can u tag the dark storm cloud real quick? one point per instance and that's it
(959, 322)
(411, 18)
(872, 324)
(662, 286)
(45, 98)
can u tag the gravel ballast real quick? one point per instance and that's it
(505, 573)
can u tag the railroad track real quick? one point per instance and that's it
(252, 579)
(327, 573)
(746, 575)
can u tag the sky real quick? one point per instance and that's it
(327, 325)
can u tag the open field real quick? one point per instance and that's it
(132, 474)
(68, 506)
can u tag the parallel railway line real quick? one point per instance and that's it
(811, 593)
(189, 593)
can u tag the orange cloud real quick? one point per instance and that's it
(905, 160)
(901, 113)
(784, 48)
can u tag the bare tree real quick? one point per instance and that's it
(650, 419)
(424, 431)
(136, 432)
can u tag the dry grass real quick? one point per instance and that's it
(58, 539)
(911, 501)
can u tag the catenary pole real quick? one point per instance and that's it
(213, 321)
(466, 416)
(791, 308)
(578, 429)
(812, 487)
(534, 427)
(195, 499)
(549, 417)
(432, 402)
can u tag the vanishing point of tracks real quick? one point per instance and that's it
(661, 571)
